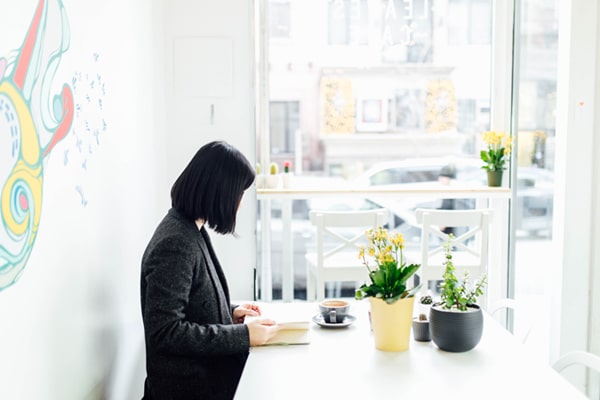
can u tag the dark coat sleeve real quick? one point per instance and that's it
(184, 313)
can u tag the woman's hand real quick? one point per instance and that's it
(261, 330)
(240, 312)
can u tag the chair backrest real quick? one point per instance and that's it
(344, 231)
(578, 357)
(524, 318)
(469, 249)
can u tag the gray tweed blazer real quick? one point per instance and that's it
(193, 349)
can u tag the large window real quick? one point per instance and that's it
(283, 117)
(376, 78)
(537, 68)
(279, 19)
(385, 92)
(348, 22)
(465, 23)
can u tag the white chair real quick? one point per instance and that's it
(339, 236)
(524, 318)
(579, 357)
(470, 249)
(589, 361)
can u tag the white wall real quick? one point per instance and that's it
(209, 71)
(595, 270)
(577, 202)
(63, 320)
(71, 325)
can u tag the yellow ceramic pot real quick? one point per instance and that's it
(391, 323)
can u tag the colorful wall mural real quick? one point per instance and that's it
(33, 119)
(89, 90)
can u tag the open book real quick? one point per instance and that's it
(290, 332)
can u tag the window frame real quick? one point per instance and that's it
(502, 112)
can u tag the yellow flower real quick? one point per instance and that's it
(540, 134)
(383, 248)
(390, 272)
(491, 138)
(361, 253)
(496, 139)
(398, 241)
(499, 147)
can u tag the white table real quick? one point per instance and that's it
(344, 363)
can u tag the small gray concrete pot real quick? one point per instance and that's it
(421, 330)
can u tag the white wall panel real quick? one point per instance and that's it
(209, 96)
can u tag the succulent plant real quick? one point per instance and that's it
(426, 299)
(455, 293)
(273, 169)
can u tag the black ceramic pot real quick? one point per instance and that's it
(456, 331)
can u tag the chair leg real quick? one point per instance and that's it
(310, 294)
(333, 289)
(337, 289)
(320, 286)
(328, 292)
(424, 287)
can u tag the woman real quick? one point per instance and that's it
(196, 341)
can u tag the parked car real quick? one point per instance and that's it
(532, 206)
(534, 203)
(417, 171)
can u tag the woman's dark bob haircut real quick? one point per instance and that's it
(212, 185)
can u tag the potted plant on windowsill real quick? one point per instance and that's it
(287, 175)
(495, 156)
(456, 323)
(273, 177)
(391, 301)
(260, 178)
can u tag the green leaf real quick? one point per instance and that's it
(378, 277)
(484, 156)
(391, 300)
(414, 290)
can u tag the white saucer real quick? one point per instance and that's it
(318, 319)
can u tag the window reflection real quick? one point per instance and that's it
(468, 22)
(283, 123)
(385, 91)
(375, 79)
(348, 22)
(279, 19)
